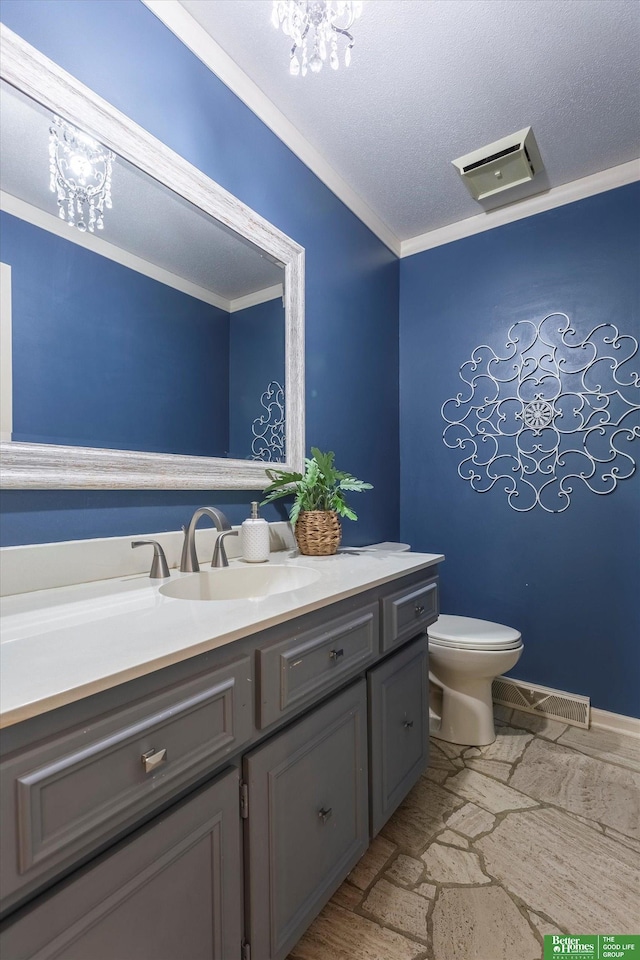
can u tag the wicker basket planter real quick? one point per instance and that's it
(319, 500)
(318, 532)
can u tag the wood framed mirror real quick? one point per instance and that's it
(200, 251)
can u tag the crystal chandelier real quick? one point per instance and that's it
(80, 174)
(315, 25)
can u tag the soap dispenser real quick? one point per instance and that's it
(255, 537)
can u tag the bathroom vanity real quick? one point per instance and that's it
(208, 773)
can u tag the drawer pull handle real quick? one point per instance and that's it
(419, 609)
(407, 723)
(336, 654)
(325, 814)
(152, 759)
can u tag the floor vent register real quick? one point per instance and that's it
(554, 704)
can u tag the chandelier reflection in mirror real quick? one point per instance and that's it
(80, 175)
(316, 26)
(554, 412)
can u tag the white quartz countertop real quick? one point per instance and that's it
(62, 644)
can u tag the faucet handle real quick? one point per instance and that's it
(159, 566)
(220, 558)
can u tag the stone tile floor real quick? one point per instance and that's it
(494, 847)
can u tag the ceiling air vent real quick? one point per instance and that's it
(502, 165)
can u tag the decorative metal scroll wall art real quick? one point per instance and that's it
(555, 411)
(268, 430)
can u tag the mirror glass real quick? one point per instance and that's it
(159, 330)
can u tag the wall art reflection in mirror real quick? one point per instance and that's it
(268, 429)
(138, 340)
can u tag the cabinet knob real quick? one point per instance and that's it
(407, 723)
(325, 814)
(153, 758)
(419, 609)
(336, 654)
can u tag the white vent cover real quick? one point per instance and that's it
(542, 701)
(502, 165)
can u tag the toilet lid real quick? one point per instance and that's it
(450, 631)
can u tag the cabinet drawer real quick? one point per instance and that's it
(408, 612)
(399, 743)
(65, 797)
(308, 819)
(297, 670)
(172, 890)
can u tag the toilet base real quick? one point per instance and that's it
(467, 714)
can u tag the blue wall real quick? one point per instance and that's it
(104, 356)
(120, 50)
(568, 581)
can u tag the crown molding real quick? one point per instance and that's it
(89, 241)
(555, 197)
(46, 221)
(189, 31)
(276, 292)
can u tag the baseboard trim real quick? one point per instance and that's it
(616, 722)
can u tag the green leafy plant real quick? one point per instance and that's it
(320, 487)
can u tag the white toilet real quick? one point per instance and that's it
(465, 657)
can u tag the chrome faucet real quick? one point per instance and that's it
(189, 562)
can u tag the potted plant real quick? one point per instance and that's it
(319, 501)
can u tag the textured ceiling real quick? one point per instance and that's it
(147, 219)
(431, 80)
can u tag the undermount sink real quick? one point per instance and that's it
(239, 583)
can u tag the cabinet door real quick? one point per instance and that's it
(399, 731)
(308, 819)
(67, 796)
(170, 891)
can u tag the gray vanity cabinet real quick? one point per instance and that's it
(171, 890)
(399, 728)
(307, 823)
(308, 734)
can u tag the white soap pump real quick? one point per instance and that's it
(255, 537)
